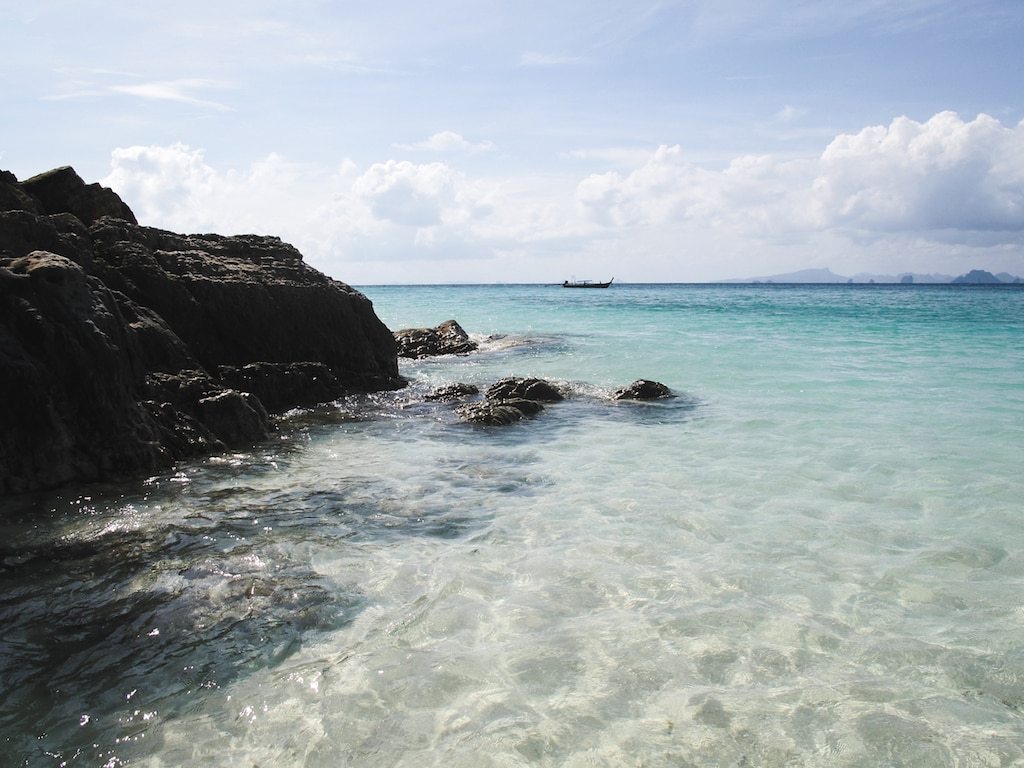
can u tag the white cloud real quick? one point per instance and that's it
(174, 187)
(942, 195)
(390, 210)
(174, 90)
(447, 141)
(940, 175)
(932, 179)
(407, 194)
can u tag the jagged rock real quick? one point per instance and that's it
(454, 392)
(528, 407)
(63, 191)
(247, 299)
(69, 406)
(183, 389)
(284, 385)
(13, 197)
(643, 389)
(527, 389)
(448, 338)
(182, 435)
(236, 418)
(22, 232)
(498, 412)
(206, 410)
(110, 334)
(489, 414)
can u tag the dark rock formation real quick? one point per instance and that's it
(498, 412)
(526, 407)
(446, 339)
(124, 348)
(643, 389)
(235, 417)
(509, 400)
(453, 392)
(63, 191)
(526, 389)
(285, 385)
(67, 380)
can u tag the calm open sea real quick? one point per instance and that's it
(813, 556)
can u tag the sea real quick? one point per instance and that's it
(812, 555)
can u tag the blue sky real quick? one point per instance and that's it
(528, 141)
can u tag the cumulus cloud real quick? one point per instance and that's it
(753, 193)
(447, 141)
(933, 179)
(943, 174)
(944, 189)
(389, 210)
(407, 194)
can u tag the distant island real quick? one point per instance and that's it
(974, 277)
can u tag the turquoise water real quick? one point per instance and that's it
(812, 556)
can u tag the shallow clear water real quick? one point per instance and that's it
(814, 555)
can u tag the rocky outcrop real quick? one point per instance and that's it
(498, 413)
(446, 339)
(508, 401)
(63, 191)
(525, 389)
(511, 399)
(280, 386)
(124, 348)
(643, 389)
(451, 392)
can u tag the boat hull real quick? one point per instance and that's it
(586, 284)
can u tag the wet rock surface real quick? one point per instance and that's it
(513, 398)
(448, 338)
(643, 389)
(453, 392)
(498, 412)
(525, 388)
(124, 348)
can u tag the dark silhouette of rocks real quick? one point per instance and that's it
(514, 388)
(446, 339)
(643, 389)
(498, 413)
(124, 348)
(977, 277)
(510, 400)
(513, 398)
(451, 392)
(63, 191)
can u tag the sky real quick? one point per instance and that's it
(506, 142)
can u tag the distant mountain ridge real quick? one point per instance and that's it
(974, 277)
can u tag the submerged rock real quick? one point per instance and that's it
(643, 389)
(527, 389)
(448, 338)
(453, 392)
(498, 412)
(124, 348)
(508, 401)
